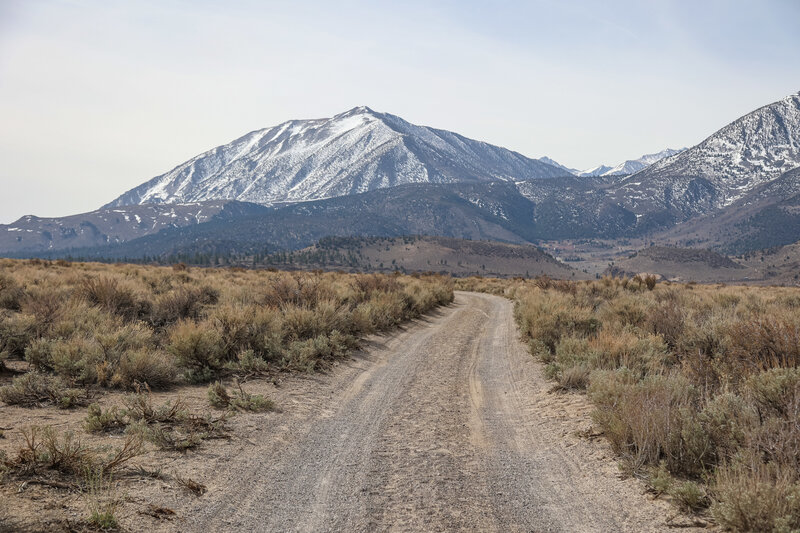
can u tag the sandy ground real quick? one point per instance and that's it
(446, 425)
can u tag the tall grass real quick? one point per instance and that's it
(697, 388)
(123, 326)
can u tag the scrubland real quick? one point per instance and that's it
(697, 388)
(117, 348)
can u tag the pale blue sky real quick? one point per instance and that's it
(97, 97)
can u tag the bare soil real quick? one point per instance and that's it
(446, 425)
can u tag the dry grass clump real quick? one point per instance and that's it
(44, 450)
(169, 426)
(218, 396)
(122, 326)
(102, 502)
(697, 388)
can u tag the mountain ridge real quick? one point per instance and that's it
(754, 149)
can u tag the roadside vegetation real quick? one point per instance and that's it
(123, 344)
(697, 388)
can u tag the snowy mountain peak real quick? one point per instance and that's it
(556, 164)
(353, 152)
(358, 110)
(632, 166)
(750, 151)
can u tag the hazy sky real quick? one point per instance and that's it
(97, 97)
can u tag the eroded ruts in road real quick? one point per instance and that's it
(446, 426)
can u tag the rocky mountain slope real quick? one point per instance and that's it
(33, 234)
(354, 152)
(750, 151)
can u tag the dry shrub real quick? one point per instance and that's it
(690, 496)
(624, 311)
(198, 349)
(78, 359)
(573, 378)
(145, 367)
(667, 320)
(295, 290)
(625, 349)
(44, 449)
(728, 420)
(240, 399)
(776, 392)
(46, 304)
(16, 332)
(764, 343)
(697, 387)
(645, 421)
(301, 323)
(384, 310)
(550, 318)
(498, 287)
(34, 389)
(139, 407)
(195, 487)
(100, 421)
(371, 283)
(101, 502)
(244, 328)
(312, 354)
(184, 303)
(753, 497)
(116, 358)
(114, 297)
(11, 294)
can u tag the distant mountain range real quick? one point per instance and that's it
(368, 173)
(631, 166)
(626, 167)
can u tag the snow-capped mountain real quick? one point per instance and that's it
(631, 165)
(750, 151)
(353, 152)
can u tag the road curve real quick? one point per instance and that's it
(447, 425)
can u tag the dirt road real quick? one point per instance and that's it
(445, 426)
